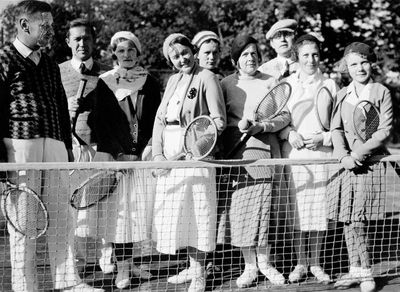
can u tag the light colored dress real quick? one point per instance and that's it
(307, 183)
(185, 208)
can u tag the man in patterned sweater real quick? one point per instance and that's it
(80, 39)
(34, 127)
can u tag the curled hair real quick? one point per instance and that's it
(81, 22)
(184, 41)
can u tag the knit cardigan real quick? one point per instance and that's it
(33, 103)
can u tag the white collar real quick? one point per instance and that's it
(24, 50)
(75, 63)
(364, 94)
(283, 60)
(310, 79)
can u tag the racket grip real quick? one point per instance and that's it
(79, 94)
(238, 145)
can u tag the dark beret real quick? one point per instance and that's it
(239, 44)
(361, 49)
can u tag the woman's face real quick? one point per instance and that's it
(126, 54)
(359, 67)
(208, 55)
(248, 60)
(309, 58)
(181, 57)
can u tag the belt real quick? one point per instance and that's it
(175, 123)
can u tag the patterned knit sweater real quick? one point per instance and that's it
(70, 79)
(32, 99)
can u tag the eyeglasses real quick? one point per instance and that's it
(283, 33)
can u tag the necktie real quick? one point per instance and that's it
(83, 69)
(35, 56)
(286, 71)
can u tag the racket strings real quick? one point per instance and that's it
(95, 189)
(200, 138)
(26, 212)
(366, 120)
(324, 107)
(273, 102)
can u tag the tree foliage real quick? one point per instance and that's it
(340, 22)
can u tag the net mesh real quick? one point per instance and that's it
(295, 213)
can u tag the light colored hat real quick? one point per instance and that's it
(126, 35)
(284, 24)
(168, 42)
(203, 36)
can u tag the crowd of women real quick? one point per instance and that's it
(184, 213)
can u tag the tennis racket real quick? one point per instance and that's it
(24, 211)
(95, 189)
(85, 152)
(323, 108)
(268, 108)
(199, 139)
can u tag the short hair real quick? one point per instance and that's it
(82, 22)
(30, 7)
(301, 41)
(114, 46)
(184, 41)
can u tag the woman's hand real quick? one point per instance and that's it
(314, 141)
(295, 140)
(253, 128)
(160, 171)
(348, 162)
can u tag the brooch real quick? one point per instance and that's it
(192, 93)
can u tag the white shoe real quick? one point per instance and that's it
(141, 273)
(272, 274)
(123, 280)
(368, 285)
(184, 276)
(346, 281)
(247, 278)
(83, 287)
(299, 273)
(198, 284)
(319, 273)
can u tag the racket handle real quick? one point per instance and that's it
(238, 146)
(79, 94)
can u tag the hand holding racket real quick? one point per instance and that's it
(24, 211)
(199, 139)
(95, 189)
(268, 108)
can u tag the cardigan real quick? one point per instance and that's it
(70, 79)
(203, 97)
(33, 103)
(344, 138)
(110, 126)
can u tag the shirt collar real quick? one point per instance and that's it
(77, 63)
(351, 88)
(22, 48)
(310, 79)
(282, 60)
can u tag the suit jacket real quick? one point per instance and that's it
(203, 97)
(344, 137)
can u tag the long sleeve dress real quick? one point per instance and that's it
(307, 183)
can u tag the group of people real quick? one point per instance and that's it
(122, 116)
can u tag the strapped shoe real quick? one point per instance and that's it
(184, 276)
(273, 275)
(298, 274)
(247, 278)
(320, 275)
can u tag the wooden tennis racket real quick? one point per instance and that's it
(324, 103)
(268, 108)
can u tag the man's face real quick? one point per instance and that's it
(81, 42)
(282, 42)
(41, 29)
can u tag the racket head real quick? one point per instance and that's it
(25, 211)
(323, 108)
(273, 102)
(200, 137)
(365, 119)
(94, 189)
